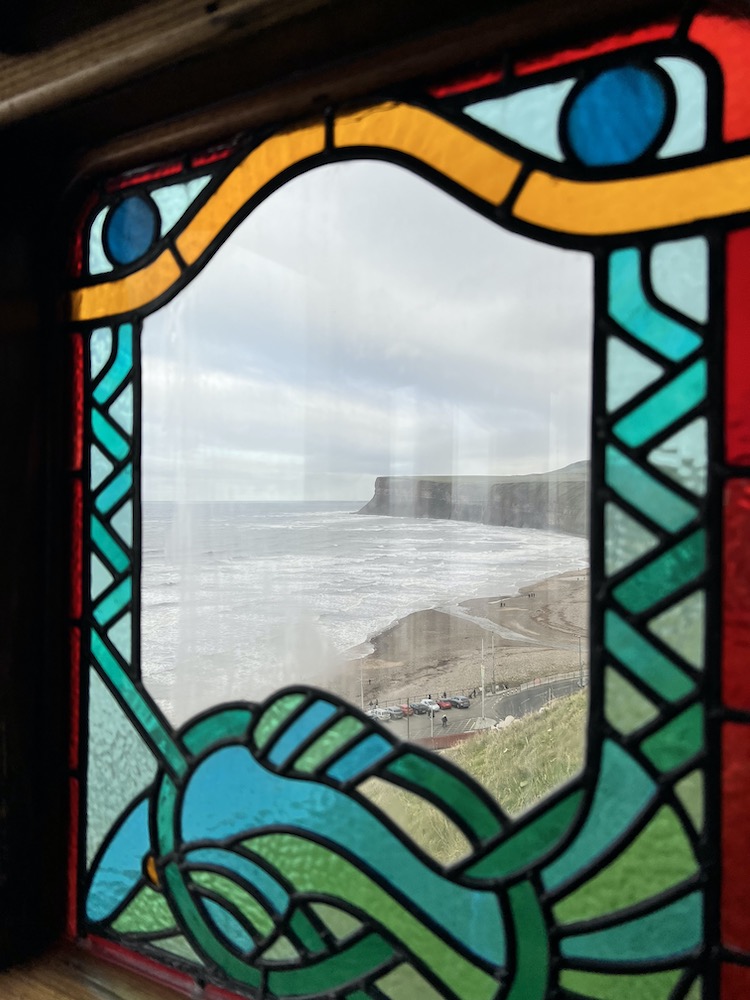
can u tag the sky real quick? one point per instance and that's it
(362, 323)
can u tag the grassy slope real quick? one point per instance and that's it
(518, 766)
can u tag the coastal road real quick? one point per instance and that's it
(497, 707)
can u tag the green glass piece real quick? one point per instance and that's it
(100, 349)
(282, 950)
(107, 435)
(672, 931)
(625, 707)
(638, 488)
(532, 945)
(659, 858)
(623, 790)
(223, 724)
(640, 657)
(312, 868)
(122, 522)
(667, 405)
(628, 373)
(684, 456)
(274, 717)
(248, 905)
(625, 540)
(696, 991)
(679, 272)
(531, 842)
(148, 912)
(121, 636)
(177, 946)
(672, 570)
(678, 741)
(326, 745)
(340, 923)
(312, 979)
(690, 791)
(115, 491)
(100, 576)
(456, 798)
(306, 932)
(405, 983)
(629, 307)
(122, 409)
(108, 546)
(114, 602)
(100, 467)
(120, 765)
(683, 628)
(642, 985)
(120, 368)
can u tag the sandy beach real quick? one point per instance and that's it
(535, 634)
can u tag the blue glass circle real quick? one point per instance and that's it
(615, 118)
(130, 230)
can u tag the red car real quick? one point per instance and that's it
(444, 703)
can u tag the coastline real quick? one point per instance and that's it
(535, 634)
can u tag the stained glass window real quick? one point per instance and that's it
(237, 846)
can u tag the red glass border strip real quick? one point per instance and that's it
(75, 696)
(71, 924)
(466, 84)
(728, 40)
(157, 174)
(736, 597)
(735, 823)
(737, 391)
(735, 982)
(652, 33)
(76, 550)
(213, 156)
(76, 437)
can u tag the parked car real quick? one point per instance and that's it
(381, 714)
(444, 703)
(430, 705)
(396, 712)
(407, 710)
(459, 701)
(418, 708)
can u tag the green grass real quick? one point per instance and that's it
(517, 765)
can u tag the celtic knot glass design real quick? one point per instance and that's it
(240, 849)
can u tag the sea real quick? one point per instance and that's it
(241, 598)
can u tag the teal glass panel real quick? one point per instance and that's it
(625, 539)
(175, 199)
(121, 636)
(628, 373)
(674, 569)
(100, 576)
(114, 602)
(100, 349)
(274, 717)
(227, 723)
(679, 275)
(120, 869)
(683, 627)
(269, 888)
(328, 744)
(684, 456)
(677, 742)
(108, 546)
(115, 491)
(230, 928)
(108, 436)
(291, 739)
(667, 405)
(532, 945)
(629, 307)
(122, 522)
(623, 790)
(645, 493)
(670, 932)
(643, 660)
(120, 368)
(122, 409)
(453, 793)
(101, 467)
(119, 764)
(529, 118)
(361, 757)
(688, 133)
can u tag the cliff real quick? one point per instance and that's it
(554, 501)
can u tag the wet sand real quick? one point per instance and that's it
(535, 634)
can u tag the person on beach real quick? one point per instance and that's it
(445, 721)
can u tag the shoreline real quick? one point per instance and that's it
(535, 634)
